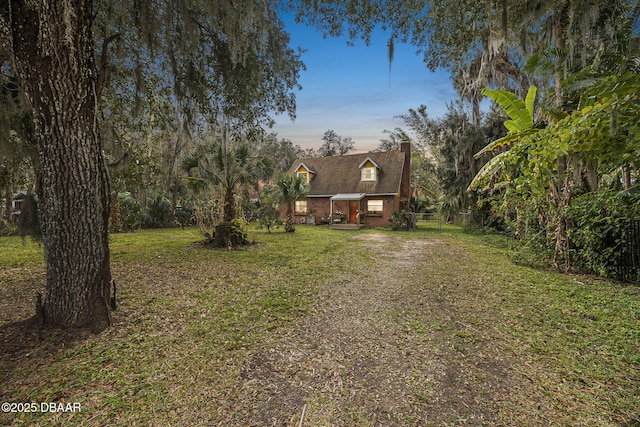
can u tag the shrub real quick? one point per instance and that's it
(269, 222)
(239, 231)
(402, 220)
(184, 216)
(267, 210)
(159, 213)
(7, 228)
(601, 230)
(130, 211)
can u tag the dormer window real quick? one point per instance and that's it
(368, 170)
(304, 175)
(304, 172)
(368, 174)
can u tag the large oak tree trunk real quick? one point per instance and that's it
(52, 54)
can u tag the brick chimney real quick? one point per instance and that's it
(405, 185)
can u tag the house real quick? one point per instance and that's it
(16, 204)
(358, 189)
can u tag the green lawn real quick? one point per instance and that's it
(189, 319)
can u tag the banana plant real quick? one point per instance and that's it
(520, 125)
(521, 114)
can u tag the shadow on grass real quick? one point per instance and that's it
(27, 341)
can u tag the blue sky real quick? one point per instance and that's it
(349, 89)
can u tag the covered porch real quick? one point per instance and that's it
(346, 209)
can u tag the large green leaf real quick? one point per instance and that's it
(490, 168)
(508, 139)
(521, 113)
(521, 125)
(505, 140)
(529, 100)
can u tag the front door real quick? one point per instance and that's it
(353, 211)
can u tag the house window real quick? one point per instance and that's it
(305, 176)
(368, 174)
(301, 207)
(375, 206)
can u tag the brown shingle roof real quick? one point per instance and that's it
(341, 174)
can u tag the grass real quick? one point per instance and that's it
(579, 336)
(190, 319)
(16, 252)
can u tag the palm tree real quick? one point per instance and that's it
(291, 188)
(223, 164)
(229, 165)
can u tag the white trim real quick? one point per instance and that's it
(308, 172)
(373, 171)
(306, 167)
(305, 174)
(370, 160)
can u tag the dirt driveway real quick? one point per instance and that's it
(383, 346)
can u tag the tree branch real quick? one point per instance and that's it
(104, 64)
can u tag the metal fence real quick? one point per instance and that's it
(428, 219)
(630, 255)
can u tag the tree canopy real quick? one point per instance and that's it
(335, 145)
(123, 70)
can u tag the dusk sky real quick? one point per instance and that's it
(349, 89)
